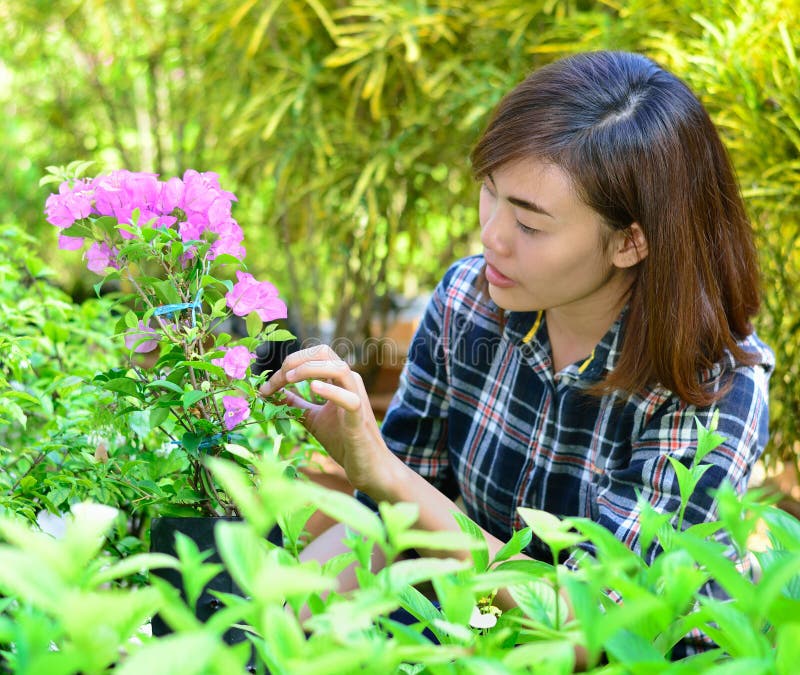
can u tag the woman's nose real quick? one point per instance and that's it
(495, 233)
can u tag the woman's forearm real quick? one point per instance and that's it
(400, 483)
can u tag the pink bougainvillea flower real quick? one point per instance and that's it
(237, 410)
(66, 243)
(110, 198)
(229, 240)
(190, 231)
(227, 246)
(141, 189)
(100, 257)
(203, 201)
(249, 295)
(235, 361)
(170, 195)
(164, 221)
(120, 192)
(134, 337)
(69, 205)
(219, 212)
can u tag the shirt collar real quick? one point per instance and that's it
(528, 328)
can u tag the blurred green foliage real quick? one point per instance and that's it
(344, 126)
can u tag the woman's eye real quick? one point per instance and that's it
(525, 229)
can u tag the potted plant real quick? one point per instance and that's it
(175, 252)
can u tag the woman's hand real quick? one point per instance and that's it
(345, 424)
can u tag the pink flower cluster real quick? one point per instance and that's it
(199, 211)
(249, 295)
(195, 204)
(235, 361)
(237, 410)
(143, 340)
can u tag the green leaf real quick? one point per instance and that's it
(139, 422)
(195, 571)
(543, 656)
(227, 259)
(44, 180)
(413, 571)
(191, 441)
(537, 599)
(158, 416)
(58, 496)
(398, 518)
(131, 320)
(169, 655)
(515, 545)
(550, 529)
(437, 541)
(346, 509)
(25, 574)
(633, 650)
(279, 335)
(164, 384)
(254, 324)
(239, 487)
(501, 577)
(123, 385)
(203, 365)
(105, 226)
(261, 575)
(707, 439)
(192, 396)
(132, 565)
(686, 481)
(787, 655)
(167, 293)
(78, 229)
(457, 605)
(480, 554)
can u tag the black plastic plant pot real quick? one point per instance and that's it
(201, 531)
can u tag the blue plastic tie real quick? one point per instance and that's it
(171, 310)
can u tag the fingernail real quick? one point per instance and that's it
(290, 375)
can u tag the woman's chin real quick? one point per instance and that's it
(505, 300)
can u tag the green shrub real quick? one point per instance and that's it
(69, 608)
(58, 440)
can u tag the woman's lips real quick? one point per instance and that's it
(496, 278)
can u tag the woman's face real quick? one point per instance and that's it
(544, 248)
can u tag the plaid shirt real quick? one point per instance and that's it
(480, 414)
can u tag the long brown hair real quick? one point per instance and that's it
(639, 147)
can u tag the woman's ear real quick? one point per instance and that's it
(631, 247)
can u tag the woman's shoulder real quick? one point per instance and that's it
(755, 372)
(765, 357)
(761, 356)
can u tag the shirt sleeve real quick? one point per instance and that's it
(671, 432)
(415, 426)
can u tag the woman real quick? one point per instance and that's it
(611, 306)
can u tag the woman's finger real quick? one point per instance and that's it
(278, 380)
(343, 398)
(336, 371)
(296, 401)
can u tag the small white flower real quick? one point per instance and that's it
(51, 524)
(91, 514)
(481, 620)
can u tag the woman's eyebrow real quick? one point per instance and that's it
(524, 203)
